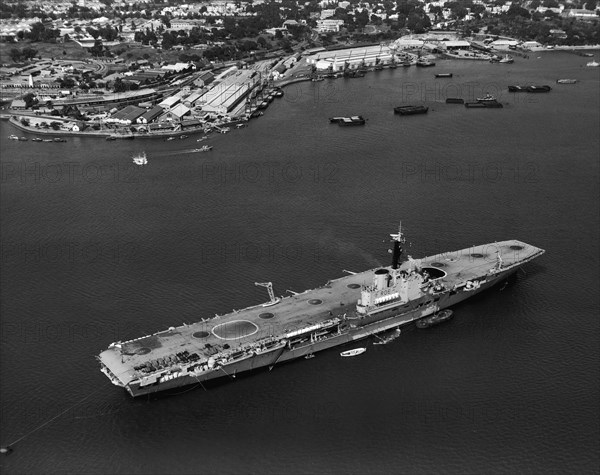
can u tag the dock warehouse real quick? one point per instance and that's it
(226, 95)
(353, 58)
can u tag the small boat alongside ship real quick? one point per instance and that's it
(410, 110)
(387, 339)
(435, 319)
(354, 352)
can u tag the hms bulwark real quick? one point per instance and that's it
(343, 310)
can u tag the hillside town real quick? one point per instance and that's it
(120, 70)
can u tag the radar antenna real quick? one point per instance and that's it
(269, 285)
(399, 236)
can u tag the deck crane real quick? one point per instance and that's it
(269, 286)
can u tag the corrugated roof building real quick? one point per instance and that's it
(150, 115)
(127, 115)
(176, 114)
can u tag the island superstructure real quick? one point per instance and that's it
(343, 310)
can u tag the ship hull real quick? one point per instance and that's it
(357, 329)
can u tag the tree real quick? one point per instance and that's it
(168, 40)
(30, 100)
(97, 49)
(15, 54)
(29, 53)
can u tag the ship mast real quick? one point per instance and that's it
(398, 240)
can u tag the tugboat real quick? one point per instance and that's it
(434, 319)
(425, 63)
(487, 98)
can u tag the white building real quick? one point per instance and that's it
(325, 26)
(351, 58)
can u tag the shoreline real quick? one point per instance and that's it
(14, 116)
(117, 136)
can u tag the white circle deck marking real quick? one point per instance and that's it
(238, 330)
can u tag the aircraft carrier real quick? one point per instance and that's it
(343, 310)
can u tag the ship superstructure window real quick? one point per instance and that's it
(387, 298)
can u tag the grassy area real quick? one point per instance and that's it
(134, 52)
(45, 50)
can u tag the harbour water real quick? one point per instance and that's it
(96, 249)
